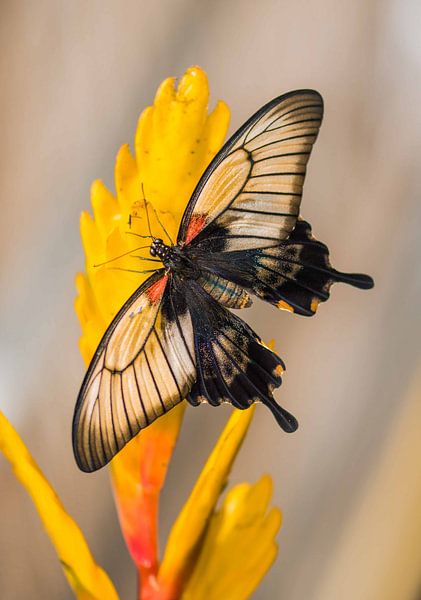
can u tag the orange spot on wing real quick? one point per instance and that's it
(154, 293)
(279, 369)
(285, 306)
(314, 305)
(195, 226)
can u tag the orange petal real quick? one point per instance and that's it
(138, 474)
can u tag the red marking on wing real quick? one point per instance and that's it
(154, 293)
(195, 226)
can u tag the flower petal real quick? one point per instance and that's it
(105, 208)
(186, 533)
(138, 474)
(88, 580)
(239, 546)
(176, 139)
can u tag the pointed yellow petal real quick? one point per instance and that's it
(176, 139)
(213, 133)
(127, 181)
(187, 531)
(239, 545)
(92, 243)
(90, 317)
(105, 208)
(88, 580)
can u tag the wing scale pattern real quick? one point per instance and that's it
(144, 366)
(251, 195)
(295, 275)
(233, 365)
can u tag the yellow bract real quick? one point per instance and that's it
(175, 140)
(239, 544)
(88, 580)
(186, 533)
(239, 547)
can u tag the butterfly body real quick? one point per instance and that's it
(175, 258)
(241, 236)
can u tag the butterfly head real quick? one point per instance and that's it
(161, 250)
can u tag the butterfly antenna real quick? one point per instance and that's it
(162, 226)
(132, 270)
(120, 256)
(143, 237)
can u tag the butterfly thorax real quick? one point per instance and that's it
(175, 258)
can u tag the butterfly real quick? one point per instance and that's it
(240, 235)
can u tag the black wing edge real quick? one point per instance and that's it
(233, 365)
(228, 145)
(298, 277)
(104, 340)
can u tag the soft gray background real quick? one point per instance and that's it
(74, 77)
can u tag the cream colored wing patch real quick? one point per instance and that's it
(144, 366)
(251, 193)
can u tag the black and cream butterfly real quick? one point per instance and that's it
(241, 234)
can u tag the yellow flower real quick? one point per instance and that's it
(175, 140)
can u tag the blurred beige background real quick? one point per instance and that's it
(74, 77)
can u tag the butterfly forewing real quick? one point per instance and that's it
(143, 367)
(250, 195)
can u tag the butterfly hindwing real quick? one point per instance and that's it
(226, 292)
(250, 194)
(233, 365)
(295, 275)
(143, 367)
